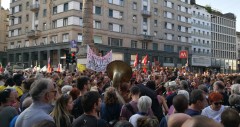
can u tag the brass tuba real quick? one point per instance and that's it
(119, 72)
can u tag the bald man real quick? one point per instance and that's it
(201, 121)
(177, 119)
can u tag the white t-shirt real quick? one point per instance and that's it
(215, 115)
(133, 119)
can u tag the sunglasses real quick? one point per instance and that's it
(218, 103)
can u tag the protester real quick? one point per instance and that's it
(91, 103)
(61, 111)
(176, 120)
(230, 118)
(43, 92)
(201, 121)
(123, 123)
(147, 121)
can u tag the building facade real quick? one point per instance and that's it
(3, 34)
(43, 29)
(224, 51)
(238, 52)
(201, 38)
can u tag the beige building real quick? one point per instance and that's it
(43, 28)
(3, 34)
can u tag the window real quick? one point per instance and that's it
(65, 37)
(155, 11)
(110, 13)
(44, 26)
(133, 44)
(26, 29)
(134, 6)
(155, 46)
(54, 39)
(27, 5)
(54, 24)
(155, 23)
(168, 48)
(55, 10)
(179, 48)
(65, 21)
(19, 20)
(36, 15)
(144, 21)
(79, 37)
(81, 5)
(134, 30)
(80, 21)
(44, 12)
(44, 1)
(115, 42)
(155, 33)
(110, 26)
(155, 1)
(44, 39)
(97, 24)
(134, 18)
(168, 60)
(144, 45)
(97, 10)
(65, 8)
(20, 8)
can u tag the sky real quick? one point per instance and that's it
(223, 6)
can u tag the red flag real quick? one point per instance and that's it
(135, 61)
(49, 66)
(145, 60)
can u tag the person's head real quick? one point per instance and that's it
(18, 78)
(185, 93)
(66, 89)
(26, 103)
(45, 123)
(234, 101)
(7, 97)
(206, 79)
(235, 89)
(218, 86)
(200, 121)
(198, 99)
(110, 96)
(144, 104)
(147, 122)
(151, 85)
(134, 90)
(230, 118)
(203, 88)
(123, 123)
(9, 82)
(83, 83)
(183, 85)
(216, 100)
(180, 103)
(62, 109)
(27, 84)
(43, 90)
(177, 119)
(91, 102)
(74, 93)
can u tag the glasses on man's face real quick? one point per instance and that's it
(217, 103)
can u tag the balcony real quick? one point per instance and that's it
(145, 37)
(34, 7)
(200, 44)
(146, 13)
(33, 34)
(201, 53)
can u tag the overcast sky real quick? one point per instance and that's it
(223, 6)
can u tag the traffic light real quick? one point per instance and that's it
(73, 57)
(68, 58)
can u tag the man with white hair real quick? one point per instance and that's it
(43, 92)
(144, 104)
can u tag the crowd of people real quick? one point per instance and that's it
(159, 98)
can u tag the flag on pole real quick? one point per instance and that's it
(135, 61)
(145, 60)
(49, 66)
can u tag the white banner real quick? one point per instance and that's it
(97, 63)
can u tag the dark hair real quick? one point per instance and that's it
(9, 82)
(237, 80)
(134, 90)
(196, 95)
(208, 79)
(203, 88)
(4, 95)
(18, 78)
(151, 85)
(180, 103)
(2, 77)
(89, 99)
(45, 123)
(27, 83)
(219, 84)
(123, 123)
(230, 118)
(110, 96)
(148, 122)
(81, 81)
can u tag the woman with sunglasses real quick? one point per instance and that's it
(216, 108)
(61, 112)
